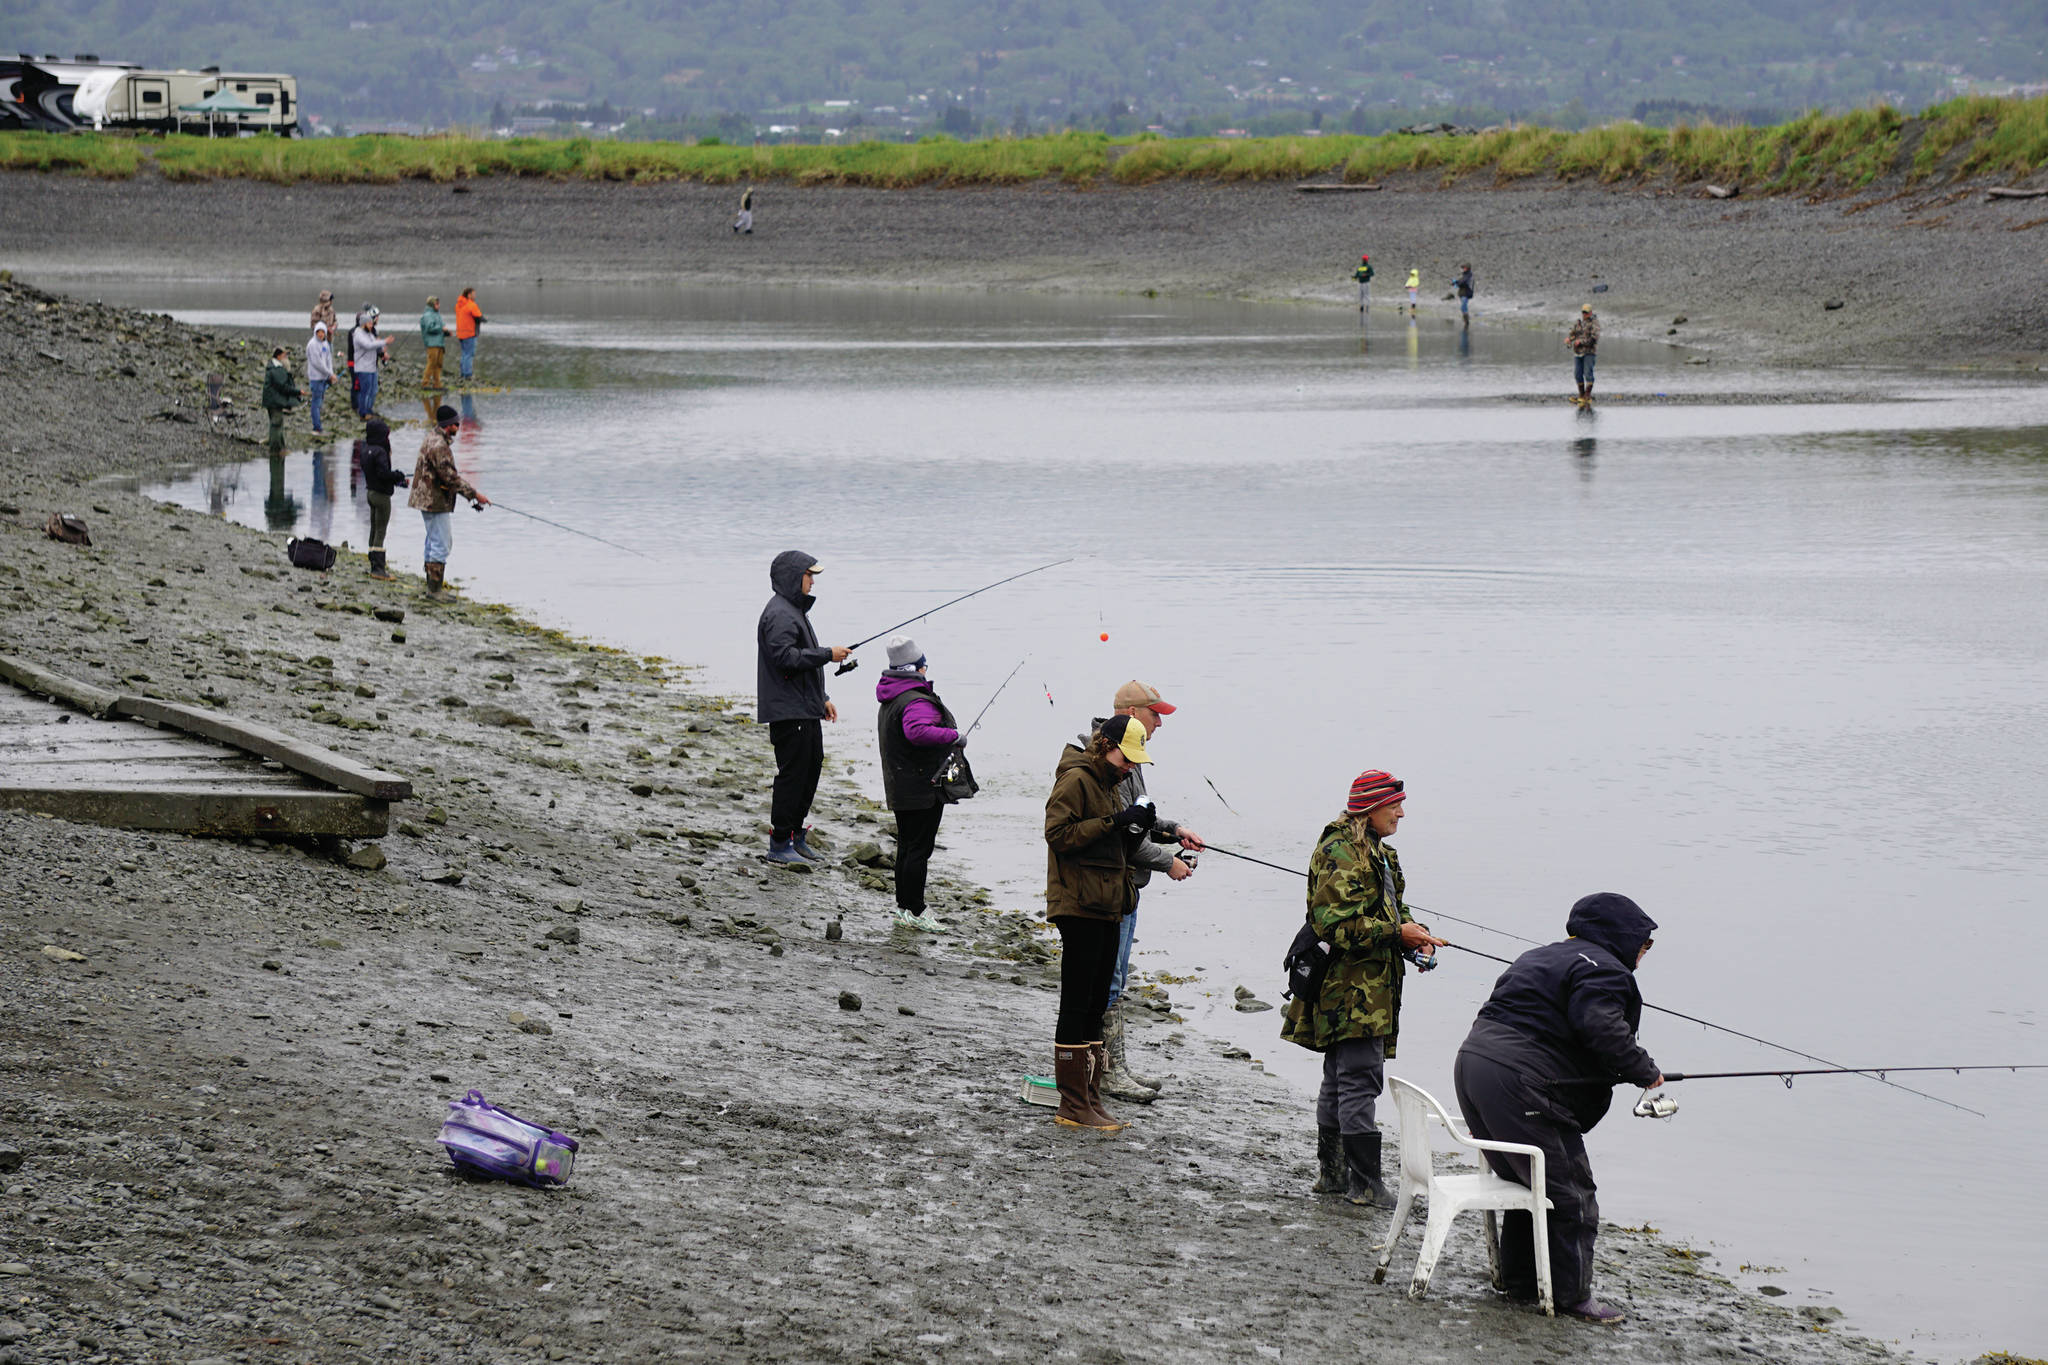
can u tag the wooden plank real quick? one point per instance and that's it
(95, 701)
(210, 811)
(309, 759)
(111, 750)
(155, 775)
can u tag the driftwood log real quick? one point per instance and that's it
(1723, 191)
(2001, 192)
(1336, 189)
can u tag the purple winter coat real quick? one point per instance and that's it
(921, 720)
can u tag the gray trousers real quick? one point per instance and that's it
(1504, 1105)
(1354, 1074)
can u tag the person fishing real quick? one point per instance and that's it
(1364, 275)
(280, 395)
(789, 686)
(373, 456)
(1462, 287)
(916, 731)
(1088, 891)
(1356, 906)
(1414, 288)
(1561, 1012)
(1153, 853)
(436, 483)
(1584, 339)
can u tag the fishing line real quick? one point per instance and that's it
(1676, 1014)
(852, 664)
(992, 700)
(570, 529)
(1226, 805)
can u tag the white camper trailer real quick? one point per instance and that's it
(157, 100)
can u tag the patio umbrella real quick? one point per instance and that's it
(221, 101)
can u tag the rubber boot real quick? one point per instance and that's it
(803, 847)
(1070, 1063)
(1330, 1174)
(437, 574)
(1098, 1062)
(781, 848)
(1590, 1309)
(1117, 1081)
(1362, 1156)
(1123, 1018)
(378, 570)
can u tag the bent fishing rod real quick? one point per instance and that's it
(852, 663)
(991, 701)
(570, 529)
(1675, 1014)
(1662, 1106)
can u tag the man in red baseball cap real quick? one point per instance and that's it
(1143, 703)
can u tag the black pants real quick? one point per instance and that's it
(1087, 961)
(916, 832)
(1498, 1104)
(799, 759)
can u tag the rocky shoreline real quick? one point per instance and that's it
(803, 1137)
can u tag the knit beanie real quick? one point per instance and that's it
(1371, 790)
(904, 655)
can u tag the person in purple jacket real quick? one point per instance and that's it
(916, 733)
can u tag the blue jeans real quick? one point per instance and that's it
(1582, 368)
(440, 535)
(366, 393)
(468, 349)
(319, 391)
(1465, 305)
(1126, 935)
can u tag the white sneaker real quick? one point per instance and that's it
(931, 926)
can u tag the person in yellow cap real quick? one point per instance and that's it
(1414, 288)
(1584, 339)
(1088, 891)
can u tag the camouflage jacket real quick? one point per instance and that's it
(1348, 901)
(435, 480)
(1584, 337)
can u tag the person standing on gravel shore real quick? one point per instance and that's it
(1414, 288)
(916, 733)
(1142, 703)
(743, 224)
(1462, 287)
(279, 395)
(1088, 890)
(436, 483)
(319, 370)
(1364, 275)
(1564, 1011)
(373, 455)
(789, 685)
(468, 317)
(369, 352)
(1584, 339)
(1356, 905)
(434, 336)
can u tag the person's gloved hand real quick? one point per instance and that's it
(1140, 815)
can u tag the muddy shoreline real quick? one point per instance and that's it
(1933, 277)
(224, 1109)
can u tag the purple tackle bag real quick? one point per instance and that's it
(483, 1138)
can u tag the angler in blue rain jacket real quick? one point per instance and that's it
(1561, 1012)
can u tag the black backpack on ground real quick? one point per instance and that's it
(310, 554)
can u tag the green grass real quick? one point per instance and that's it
(1818, 152)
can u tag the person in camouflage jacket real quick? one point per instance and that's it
(1355, 903)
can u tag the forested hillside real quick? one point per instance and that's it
(897, 66)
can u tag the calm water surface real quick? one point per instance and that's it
(1772, 667)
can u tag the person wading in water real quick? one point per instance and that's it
(1584, 339)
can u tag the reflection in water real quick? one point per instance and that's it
(280, 509)
(320, 515)
(221, 483)
(1465, 342)
(1414, 344)
(1582, 456)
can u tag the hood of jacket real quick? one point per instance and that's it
(890, 686)
(1614, 922)
(377, 433)
(1070, 757)
(786, 576)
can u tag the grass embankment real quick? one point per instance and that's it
(1964, 137)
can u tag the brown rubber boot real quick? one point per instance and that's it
(1098, 1064)
(1070, 1074)
(436, 574)
(377, 569)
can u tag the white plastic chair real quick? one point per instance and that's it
(1451, 1195)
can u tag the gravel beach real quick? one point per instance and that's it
(220, 1100)
(1933, 277)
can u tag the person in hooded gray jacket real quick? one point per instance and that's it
(790, 691)
(1560, 1015)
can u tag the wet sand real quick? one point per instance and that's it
(1933, 277)
(225, 1112)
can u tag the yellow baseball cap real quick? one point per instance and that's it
(1129, 736)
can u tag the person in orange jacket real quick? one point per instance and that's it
(467, 318)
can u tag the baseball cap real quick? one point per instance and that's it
(1129, 737)
(1135, 693)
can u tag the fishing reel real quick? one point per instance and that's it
(1143, 826)
(847, 667)
(1423, 962)
(1657, 1106)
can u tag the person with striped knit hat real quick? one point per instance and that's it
(1356, 907)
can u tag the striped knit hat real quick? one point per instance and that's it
(1372, 790)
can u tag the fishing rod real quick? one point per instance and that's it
(570, 529)
(853, 663)
(1662, 1106)
(1219, 796)
(1675, 1014)
(991, 701)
